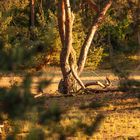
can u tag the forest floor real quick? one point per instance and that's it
(100, 116)
(111, 115)
(54, 75)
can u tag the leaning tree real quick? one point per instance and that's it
(71, 67)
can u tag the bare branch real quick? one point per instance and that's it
(69, 25)
(61, 21)
(74, 73)
(38, 95)
(65, 22)
(108, 82)
(89, 38)
(94, 83)
(105, 85)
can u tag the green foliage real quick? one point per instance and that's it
(95, 57)
(16, 101)
(25, 47)
(15, 35)
(19, 42)
(36, 134)
(52, 114)
(78, 32)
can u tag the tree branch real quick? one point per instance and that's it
(97, 83)
(105, 85)
(65, 29)
(74, 73)
(73, 67)
(89, 38)
(61, 21)
(69, 25)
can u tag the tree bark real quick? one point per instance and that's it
(40, 7)
(65, 21)
(70, 70)
(89, 38)
(61, 21)
(32, 13)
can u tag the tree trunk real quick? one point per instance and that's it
(70, 70)
(65, 20)
(32, 13)
(69, 82)
(89, 38)
(40, 7)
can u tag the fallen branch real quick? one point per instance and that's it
(38, 95)
(87, 91)
(95, 83)
(105, 85)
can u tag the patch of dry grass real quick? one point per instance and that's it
(120, 111)
(97, 116)
(102, 116)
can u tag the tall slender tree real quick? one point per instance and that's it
(32, 13)
(40, 7)
(71, 69)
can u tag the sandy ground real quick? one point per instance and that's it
(121, 110)
(54, 74)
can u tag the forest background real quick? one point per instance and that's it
(30, 42)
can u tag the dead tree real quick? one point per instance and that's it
(71, 69)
